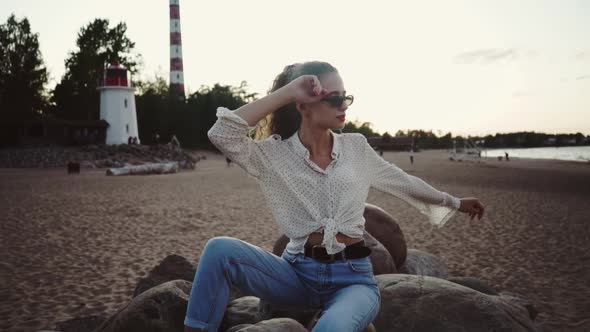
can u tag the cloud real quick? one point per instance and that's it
(583, 55)
(522, 94)
(488, 56)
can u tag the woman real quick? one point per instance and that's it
(316, 183)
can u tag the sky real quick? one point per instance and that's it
(467, 67)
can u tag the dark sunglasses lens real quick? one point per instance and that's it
(338, 101)
(348, 100)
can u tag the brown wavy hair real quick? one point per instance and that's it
(286, 120)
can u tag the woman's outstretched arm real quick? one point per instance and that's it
(438, 206)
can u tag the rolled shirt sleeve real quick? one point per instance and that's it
(438, 206)
(230, 135)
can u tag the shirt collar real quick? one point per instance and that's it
(302, 151)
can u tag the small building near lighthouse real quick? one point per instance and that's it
(117, 106)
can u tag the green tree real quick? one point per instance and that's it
(364, 128)
(76, 97)
(22, 73)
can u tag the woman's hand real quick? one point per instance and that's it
(306, 89)
(472, 206)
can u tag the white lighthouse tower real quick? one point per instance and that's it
(176, 66)
(117, 106)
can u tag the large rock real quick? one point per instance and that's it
(424, 264)
(243, 310)
(475, 284)
(268, 311)
(520, 300)
(380, 257)
(315, 319)
(422, 303)
(274, 325)
(80, 324)
(173, 267)
(386, 230)
(160, 309)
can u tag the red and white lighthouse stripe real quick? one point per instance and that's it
(176, 70)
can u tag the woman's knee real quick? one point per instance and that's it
(221, 246)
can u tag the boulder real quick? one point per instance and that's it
(380, 258)
(274, 325)
(173, 267)
(80, 324)
(314, 320)
(159, 309)
(423, 303)
(386, 230)
(520, 300)
(475, 284)
(243, 310)
(268, 311)
(424, 264)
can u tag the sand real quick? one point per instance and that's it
(76, 245)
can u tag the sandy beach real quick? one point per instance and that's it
(74, 246)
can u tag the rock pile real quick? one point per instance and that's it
(417, 294)
(95, 156)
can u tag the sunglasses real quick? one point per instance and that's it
(338, 101)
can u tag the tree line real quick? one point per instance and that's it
(160, 112)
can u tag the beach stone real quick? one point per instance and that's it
(173, 267)
(80, 324)
(424, 264)
(423, 303)
(267, 311)
(380, 257)
(238, 327)
(159, 309)
(275, 325)
(314, 320)
(386, 230)
(243, 310)
(518, 299)
(475, 284)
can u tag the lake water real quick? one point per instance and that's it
(575, 153)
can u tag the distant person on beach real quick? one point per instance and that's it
(411, 156)
(174, 141)
(326, 264)
(507, 158)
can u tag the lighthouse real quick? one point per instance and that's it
(117, 105)
(176, 68)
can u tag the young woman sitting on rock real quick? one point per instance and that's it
(316, 183)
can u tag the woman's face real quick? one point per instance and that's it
(330, 112)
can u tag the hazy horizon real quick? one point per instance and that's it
(466, 67)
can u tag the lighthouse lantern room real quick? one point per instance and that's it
(117, 105)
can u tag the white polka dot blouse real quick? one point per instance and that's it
(305, 198)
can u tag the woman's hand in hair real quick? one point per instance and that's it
(306, 89)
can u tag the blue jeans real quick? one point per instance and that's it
(346, 290)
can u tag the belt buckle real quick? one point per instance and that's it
(331, 260)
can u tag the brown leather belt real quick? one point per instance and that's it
(320, 254)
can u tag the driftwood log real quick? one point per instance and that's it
(151, 168)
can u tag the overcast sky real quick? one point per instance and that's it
(469, 67)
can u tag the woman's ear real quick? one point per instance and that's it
(302, 108)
